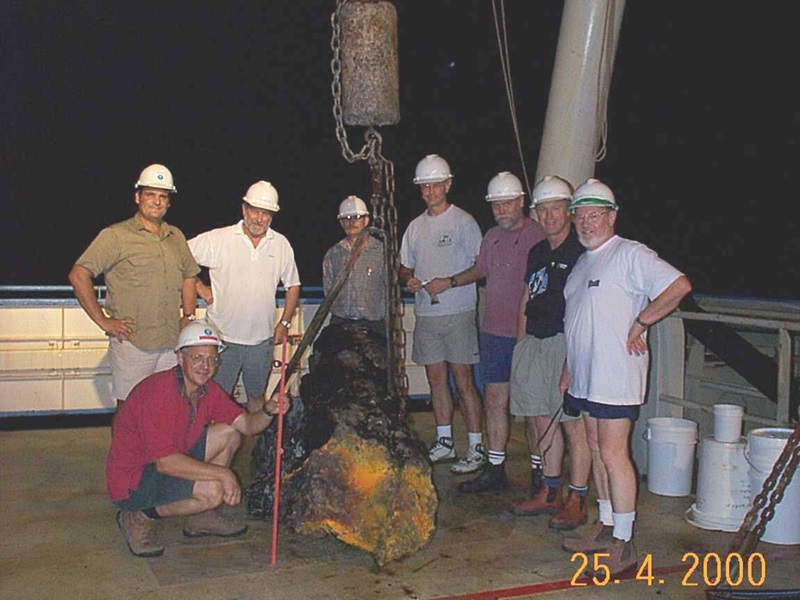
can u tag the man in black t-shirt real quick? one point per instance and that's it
(538, 362)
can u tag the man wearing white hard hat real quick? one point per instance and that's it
(246, 262)
(539, 361)
(501, 263)
(442, 241)
(616, 291)
(149, 275)
(173, 444)
(362, 298)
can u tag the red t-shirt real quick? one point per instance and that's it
(156, 421)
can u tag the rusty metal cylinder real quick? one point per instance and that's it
(370, 72)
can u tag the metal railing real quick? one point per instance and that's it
(787, 350)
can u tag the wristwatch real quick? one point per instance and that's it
(642, 323)
(287, 324)
(453, 282)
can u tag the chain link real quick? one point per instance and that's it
(384, 211)
(336, 88)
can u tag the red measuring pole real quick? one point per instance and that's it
(278, 454)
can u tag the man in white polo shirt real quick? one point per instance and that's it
(246, 262)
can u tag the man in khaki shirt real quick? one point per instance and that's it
(149, 275)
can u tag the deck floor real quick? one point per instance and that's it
(59, 540)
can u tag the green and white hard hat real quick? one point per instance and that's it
(593, 193)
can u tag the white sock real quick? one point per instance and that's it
(444, 431)
(623, 526)
(606, 514)
(475, 438)
(496, 457)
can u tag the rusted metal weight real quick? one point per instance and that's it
(370, 73)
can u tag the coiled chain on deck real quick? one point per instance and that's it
(384, 212)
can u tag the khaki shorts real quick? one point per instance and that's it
(129, 365)
(451, 338)
(535, 372)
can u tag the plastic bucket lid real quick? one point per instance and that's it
(671, 429)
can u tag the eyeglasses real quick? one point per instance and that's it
(591, 217)
(349, 218)
(199, 359)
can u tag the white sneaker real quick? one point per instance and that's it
(476, 459)
(442, 450)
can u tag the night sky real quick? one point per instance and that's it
(703, 124)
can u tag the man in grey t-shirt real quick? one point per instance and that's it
(440, 242)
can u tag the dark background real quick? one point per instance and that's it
(703, 123)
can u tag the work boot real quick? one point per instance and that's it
(572, 514)
(442, 450)
(475, 461)
(537, 474)
(622, 558)
(141, 533)
(492, 478)
(596, 539)
(548, 500)
(211, 522)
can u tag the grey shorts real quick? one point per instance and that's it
(129, 365)
(451, 338)
(157, 489)
(535, 372)
(254, 362)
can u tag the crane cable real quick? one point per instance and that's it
(505, 63)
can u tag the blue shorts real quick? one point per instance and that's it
(157, 489)
(601, 411)
(496, 353)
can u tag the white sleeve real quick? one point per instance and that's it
(204, 249)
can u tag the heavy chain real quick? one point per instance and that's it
(336, 88)
(384, 212)
(768, 498)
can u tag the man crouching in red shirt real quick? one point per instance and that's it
(173, 443)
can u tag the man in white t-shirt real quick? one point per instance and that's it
(617, 289)
(246, 262)
(440, 242)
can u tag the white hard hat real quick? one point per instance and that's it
(352, 206)
(199, 333)
(156, 176)
(593, 193)
(550, 188)
(432, 169)
(262, 195)
(504, 186)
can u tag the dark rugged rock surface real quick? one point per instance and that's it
(352, 465)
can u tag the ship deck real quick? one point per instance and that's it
(60, 541)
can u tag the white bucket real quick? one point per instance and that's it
(723, 486)
(764, 446)
(728, 422)
(670, 455)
